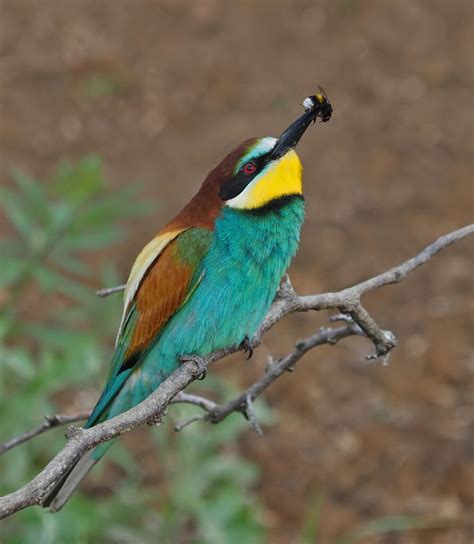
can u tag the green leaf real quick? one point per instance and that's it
(77, 183)
(10, 270)
(18, 361)
(14, 209)
(35, 198)
(309, 533)
(69, 263)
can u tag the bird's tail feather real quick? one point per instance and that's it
(66, 486)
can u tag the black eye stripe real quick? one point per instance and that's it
(236, 184)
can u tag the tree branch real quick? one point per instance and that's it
(49, 423)
(348, 301)
(243, 402)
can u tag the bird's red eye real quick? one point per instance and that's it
(249, 168)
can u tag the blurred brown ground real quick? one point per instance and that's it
(185, 82)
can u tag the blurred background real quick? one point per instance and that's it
(111, 114)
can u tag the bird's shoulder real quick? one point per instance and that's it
(164, 287)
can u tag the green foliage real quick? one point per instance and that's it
(312, 519)
(55, 343)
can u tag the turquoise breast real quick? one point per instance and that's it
(249, 253)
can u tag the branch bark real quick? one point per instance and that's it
(347, 301)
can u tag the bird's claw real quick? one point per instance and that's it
(247, 346)
(199, 362)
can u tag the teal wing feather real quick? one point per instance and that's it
(167, 285)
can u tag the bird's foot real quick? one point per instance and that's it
(199, 362)
(247, 346)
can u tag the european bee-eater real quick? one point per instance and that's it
(208, 278)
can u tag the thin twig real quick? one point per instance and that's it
(243, 402)
(180, 426)
(347, 301)
(186, 398)
(278, 368)
(106, 291)
(49, 423)
(251, 415)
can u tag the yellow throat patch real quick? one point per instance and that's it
(281, 178)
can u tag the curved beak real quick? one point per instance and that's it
(318, 106)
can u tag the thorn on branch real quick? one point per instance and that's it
(286, 289)
(270, 365)
(249, 413)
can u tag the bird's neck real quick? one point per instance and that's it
(269, 232)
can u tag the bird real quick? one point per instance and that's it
(208, 278)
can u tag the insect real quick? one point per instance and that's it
(319, 101)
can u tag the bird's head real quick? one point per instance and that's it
(262, 170)
(257, 173)
(259, 176)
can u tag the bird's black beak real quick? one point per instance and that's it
(316, 106)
